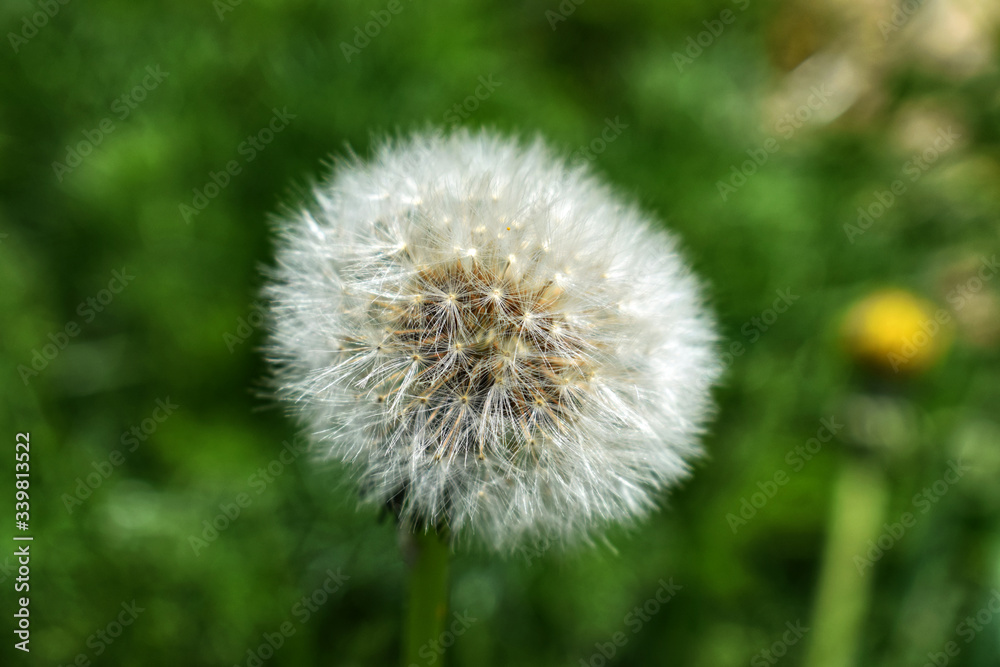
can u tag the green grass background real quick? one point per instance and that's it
(168, 334)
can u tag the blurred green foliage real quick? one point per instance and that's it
(183, 329)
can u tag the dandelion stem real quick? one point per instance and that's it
(428, 598)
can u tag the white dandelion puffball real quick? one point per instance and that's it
(493, 341)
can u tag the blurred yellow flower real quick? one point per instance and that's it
(893, 330)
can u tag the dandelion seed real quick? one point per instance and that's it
(537, 379)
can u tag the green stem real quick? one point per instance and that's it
(428, 598)
(842, 600)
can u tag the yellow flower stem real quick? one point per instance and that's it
(842, 599)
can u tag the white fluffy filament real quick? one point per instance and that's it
(492, 340)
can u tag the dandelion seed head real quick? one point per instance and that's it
(491, 340)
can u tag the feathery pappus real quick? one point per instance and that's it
(492, 340)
